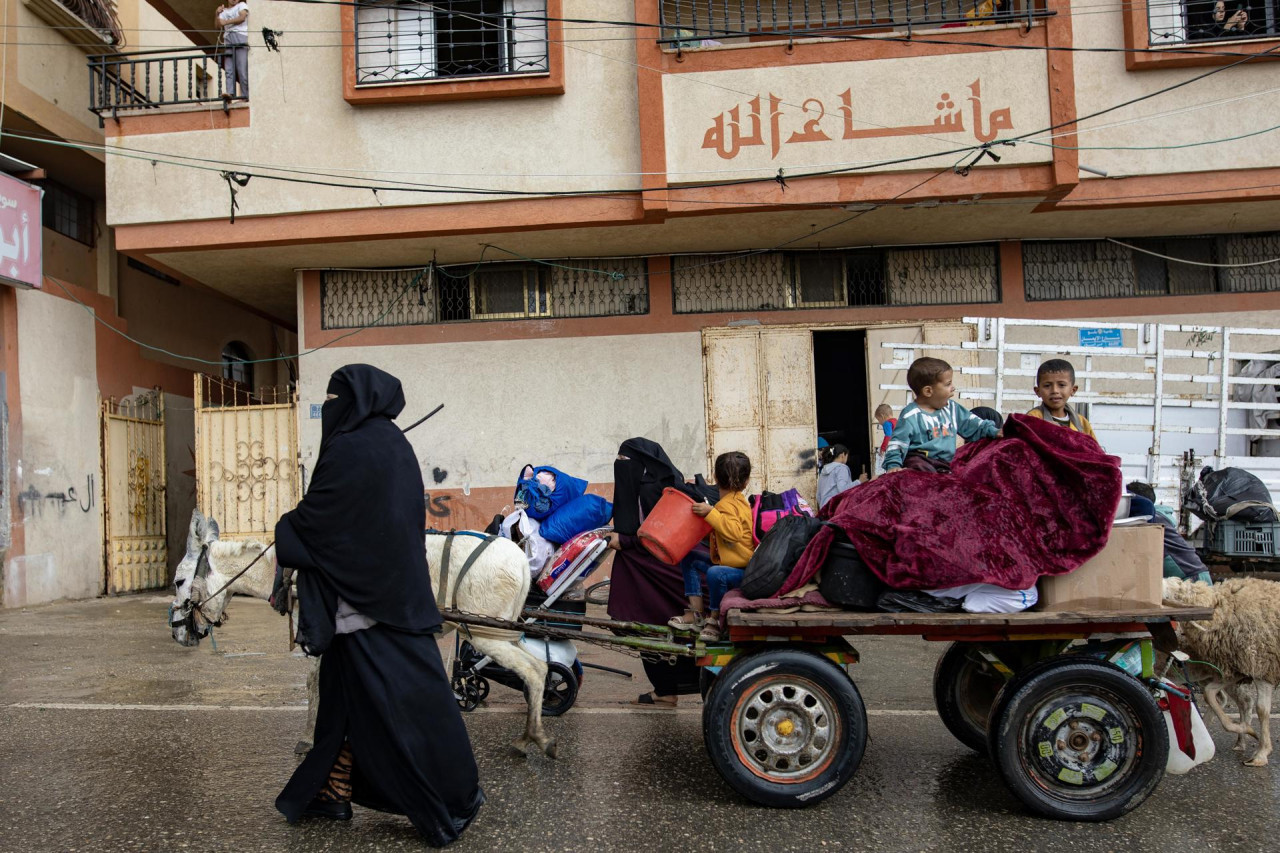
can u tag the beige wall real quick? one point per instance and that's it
(300, 119)
(59, 406)
(191, 322)
(567, 403)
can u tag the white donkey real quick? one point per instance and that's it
(495, 586)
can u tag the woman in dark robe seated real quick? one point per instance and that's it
(389, 735)
(642, 588)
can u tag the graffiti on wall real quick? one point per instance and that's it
(254, 470)
(33, 502)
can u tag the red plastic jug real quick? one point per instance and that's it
(672, 530)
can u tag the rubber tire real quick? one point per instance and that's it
(951, 677)
(1020, 698)
(740, 677)
(561, 689)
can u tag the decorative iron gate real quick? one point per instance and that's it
(247, 472)
(133, 474)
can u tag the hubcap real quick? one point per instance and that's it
(1080, 746)
(785, 729)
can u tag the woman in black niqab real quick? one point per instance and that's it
(389, 735)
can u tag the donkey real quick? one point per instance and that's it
(495, 586)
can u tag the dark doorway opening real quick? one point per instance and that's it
(843, 402)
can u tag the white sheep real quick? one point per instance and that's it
(1242, 640)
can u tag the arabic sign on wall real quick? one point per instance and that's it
(808, 117)
(20, 234)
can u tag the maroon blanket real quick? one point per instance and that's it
(1038, 502)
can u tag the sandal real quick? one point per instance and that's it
(710, 632)
(648, 700)
(679, 623)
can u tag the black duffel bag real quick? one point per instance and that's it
(777, 555)
(846, 581)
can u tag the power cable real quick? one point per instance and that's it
(1194, 263)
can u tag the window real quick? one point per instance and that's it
(68, 212)
(237, 364)
(773, 281)
(1101, 269)
(1184, 21)
(409, 42)
(570, 287)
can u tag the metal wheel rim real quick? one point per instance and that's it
(598, 594)
(786, 729)
(556, 691)
(1079, 745)
(975, 692)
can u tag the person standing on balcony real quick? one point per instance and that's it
(234, 21)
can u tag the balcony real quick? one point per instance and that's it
(688, 24)
(151, 80)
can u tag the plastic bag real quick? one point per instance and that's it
(777, 555)
(1230, 493)
(524, 531)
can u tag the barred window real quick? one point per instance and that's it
(398, 41)
(68, 212)
(584, 287)
(1246, 249)
(1101, 269)
(774, 281)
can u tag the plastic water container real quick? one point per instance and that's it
(671, 531)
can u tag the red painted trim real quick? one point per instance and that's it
(213, 118)
(651, 112)
(1062, 93)
(13, 399)
(527, 85)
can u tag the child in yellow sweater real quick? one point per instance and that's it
(731, 547)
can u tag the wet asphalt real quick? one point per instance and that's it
(114, 738)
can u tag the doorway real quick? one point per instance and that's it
(841, 395)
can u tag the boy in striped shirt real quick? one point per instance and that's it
(925, 437)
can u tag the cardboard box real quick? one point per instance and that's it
(1127, 573)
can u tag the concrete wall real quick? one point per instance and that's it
(59, 408)
(567, 403)
(299, 118)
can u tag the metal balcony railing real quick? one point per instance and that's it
(1197, 21)
(151, 79)
(686, 23)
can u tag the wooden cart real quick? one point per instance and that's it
(1064, 702)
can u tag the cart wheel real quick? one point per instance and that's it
(1077, 739)
(964, 690)
(561, 690)
(470, 690)
(785, 728)
(598, 593)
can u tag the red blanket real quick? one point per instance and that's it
(1038, 502)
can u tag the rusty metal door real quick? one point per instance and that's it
(760, 400)
(133, 469)
(247, 472)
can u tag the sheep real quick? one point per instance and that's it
(1242, 640)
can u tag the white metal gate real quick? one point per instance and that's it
(247, 472)
(1154, 392)
(133, 473)
(760, 400)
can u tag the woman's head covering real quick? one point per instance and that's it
(356, 393)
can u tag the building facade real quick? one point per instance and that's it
(65, 334)
(697, 222)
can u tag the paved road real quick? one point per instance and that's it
(113, 738)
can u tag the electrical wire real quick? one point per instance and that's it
(1194, 263)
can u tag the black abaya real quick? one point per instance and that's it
(357, 536)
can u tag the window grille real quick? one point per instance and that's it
(398, 41)
(581, 287)
(1100, 269)
(1251, 248)
(68, 212)
(776, 281)
(352, 299)
(1199, 21)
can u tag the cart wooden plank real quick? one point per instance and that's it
(870, 622)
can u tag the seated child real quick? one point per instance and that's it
(925, 437)
(1055, 383)
(731, 546)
